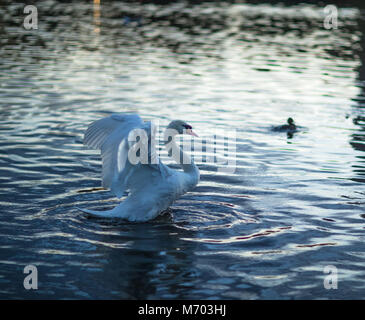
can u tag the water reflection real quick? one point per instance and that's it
(358, 138)
(97, 16)
(153, 251)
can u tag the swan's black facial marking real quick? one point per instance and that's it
(186, 126)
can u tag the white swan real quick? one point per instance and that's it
(152, 186)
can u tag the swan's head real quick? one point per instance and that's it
(182, 127)
(290, 121)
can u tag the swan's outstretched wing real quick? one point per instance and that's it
(110, 135)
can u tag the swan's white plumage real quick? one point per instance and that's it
(110, 135)
(153, 186)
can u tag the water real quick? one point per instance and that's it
(267, 231)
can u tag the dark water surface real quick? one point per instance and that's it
(266, 231)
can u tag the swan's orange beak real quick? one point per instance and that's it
(191, 132)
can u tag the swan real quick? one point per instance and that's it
(151, 185)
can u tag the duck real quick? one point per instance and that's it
(289, 127)
(132, 166)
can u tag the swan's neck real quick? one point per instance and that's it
(181, 158)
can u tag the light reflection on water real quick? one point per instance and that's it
(292, 206)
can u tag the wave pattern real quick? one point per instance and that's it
(265, 231)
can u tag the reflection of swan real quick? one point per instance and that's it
(151, 185)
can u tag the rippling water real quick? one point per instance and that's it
(266, 231)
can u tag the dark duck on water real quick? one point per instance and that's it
(289, 128)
